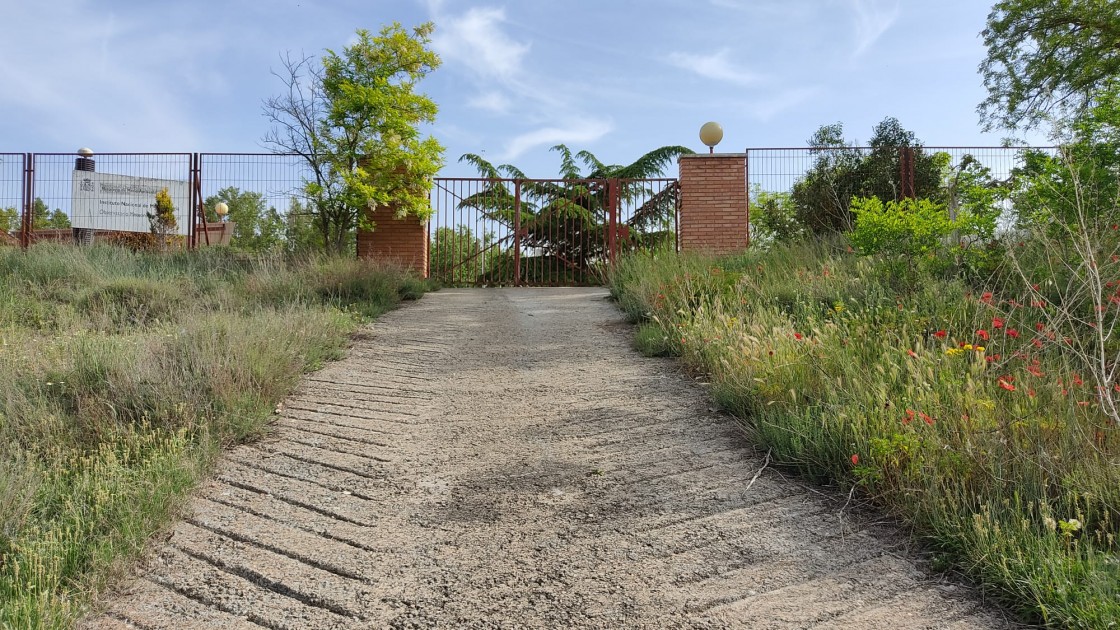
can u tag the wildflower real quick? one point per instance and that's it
(1069, 526)
(925, 417)
(1036, 343)
(997, 322)
(1077, 380)
(1083, 403)
(909, 417)
(1035, 287)
(1005, 385)
(1049, 523)
(986, 298)
(967, 346)
(953, 351)
(940, 334)
(979, 348)
(1033, 369)
(1013, 333)
(797, 336)
(911, 353)
(983, 334)
(855, 460)
(1030, 392)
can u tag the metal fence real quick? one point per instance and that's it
(543, 231)
(834, 175)
(41, 193)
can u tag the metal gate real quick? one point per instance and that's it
(544, 232)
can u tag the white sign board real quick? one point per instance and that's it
(105, 201)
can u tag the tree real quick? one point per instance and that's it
(565, 221)
(354, 118)
(1047, 58)
(257, 229)
(822, 197)
(43, 218)
(459, 256)
(9, 219)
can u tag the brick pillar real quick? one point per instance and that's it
(401, 241)
(714, 214)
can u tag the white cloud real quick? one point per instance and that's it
(476, 39)
(716, 66)
(872, 19)
(495, 102)
(776, 103)
(580, 132)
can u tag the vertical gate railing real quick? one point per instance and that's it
(543, 232)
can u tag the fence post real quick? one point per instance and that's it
(517, 232)
(612, 221)
(28, 199)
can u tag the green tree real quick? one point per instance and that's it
(822, 197)
(354, 118)
(43, 218)
(9, 219)
(459, 256)
(1047, 59)
(257, 229)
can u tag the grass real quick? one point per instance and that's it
(122, 375)
(956, 409)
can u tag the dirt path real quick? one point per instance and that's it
(502, 458)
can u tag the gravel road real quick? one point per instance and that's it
(503, 458)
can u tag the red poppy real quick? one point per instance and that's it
(911, 353)
(997, 322)
(1037, 343)
(1039, 326)
(855, 460)
(1035, 287)
(1013, 333)
(1008, 386)
(1083, 403)
(983, 334)
(1077, 380)
(928, 420)
(1033, 369)
(1030, 392)
(986, 298)
(797, 336)
(909, 417)
(940, 334)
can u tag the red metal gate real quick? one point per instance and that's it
(544, 232)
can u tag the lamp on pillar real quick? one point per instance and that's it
(710, 134)
(222, 210)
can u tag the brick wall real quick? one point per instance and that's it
(714, 215)
(400, 241)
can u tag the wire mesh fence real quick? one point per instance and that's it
(12, 188)
(819, 183)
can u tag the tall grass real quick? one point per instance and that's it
(121, 376)
(957, 409)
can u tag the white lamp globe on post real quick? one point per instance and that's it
(222, 210)
(710, 134)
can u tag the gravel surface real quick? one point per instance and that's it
(503, 458)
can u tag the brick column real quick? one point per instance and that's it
(714, 215)
(401, 241)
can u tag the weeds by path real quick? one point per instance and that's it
(122, 375)
(959, 409)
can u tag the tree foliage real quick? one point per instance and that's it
(43, 218)
(565, 221)
(355, 119)
(1047, 58)
(257, 228)
(822, 197)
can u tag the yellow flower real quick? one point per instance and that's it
(968, 346)
(979, 348)
(953, 351)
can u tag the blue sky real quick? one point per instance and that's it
(615, 77)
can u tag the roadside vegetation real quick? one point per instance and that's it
(954, 357)
(122, 374)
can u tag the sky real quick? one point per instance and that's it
(615, 77)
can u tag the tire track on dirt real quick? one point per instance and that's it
(502, 458)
